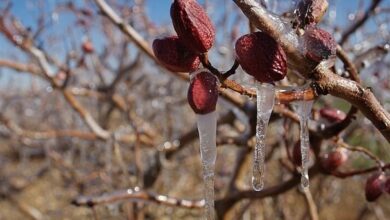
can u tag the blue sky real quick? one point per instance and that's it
(159, 9)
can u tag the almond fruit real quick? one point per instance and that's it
(174, 55)
(261, 57)
(192, 25)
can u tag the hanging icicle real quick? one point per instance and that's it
(303, 109)
(265, 104)
(202, 97)
(264, 59)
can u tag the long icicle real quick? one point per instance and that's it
(265, 104)
(304, 110)
(207, 127)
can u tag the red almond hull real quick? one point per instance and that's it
(333, 160)
(373, 188)
(174, 55)
(203, 93)
(192, 25)
(319, 44)
(261, 57)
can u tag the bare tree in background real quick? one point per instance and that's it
(92, 125)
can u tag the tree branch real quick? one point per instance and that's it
(326, 80)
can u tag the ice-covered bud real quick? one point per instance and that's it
(203, 92)
(332, 114)
(261, 57)
(192, 25)
(331, 161)
(374, 186)
(310, 11)
(174, 55)
(318, 45)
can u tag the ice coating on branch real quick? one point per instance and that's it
(303, 109)
(310, 11)
(207, 126)
(265, 104)
(319, 46)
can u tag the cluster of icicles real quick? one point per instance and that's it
(207, 125)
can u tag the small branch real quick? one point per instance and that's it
(343, 175)
(136, 195)
(311, 203)
(44, 135)
(348, 64)
(360, 22)
(325, 80)
(342, 144)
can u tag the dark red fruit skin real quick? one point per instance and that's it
(174, 55)
(192, 25)
(387, 185)
(332, 114)
(311, 11)
(333, 160)
(373, 188)
(319, 44)
(261, 57)
(203, 93)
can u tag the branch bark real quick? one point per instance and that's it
(327, 81)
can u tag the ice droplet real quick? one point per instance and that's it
(207, 127)
(303, 109)
(265, 104)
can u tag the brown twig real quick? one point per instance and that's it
(343, 175)
(325, 80)
(360, 22)
(311, 204)
(368, 153)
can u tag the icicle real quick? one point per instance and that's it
(265, 104)
(303, 109)
(207, 127)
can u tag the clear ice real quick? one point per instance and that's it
(303, 109)
(207, 127)
(265, 104)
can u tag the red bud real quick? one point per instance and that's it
(332, 114)
(174, 55)
(331, 161)
(192, 25)
(374, 187)
(319, 45)
(203, 93)
(87, 47)
(261, 57)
